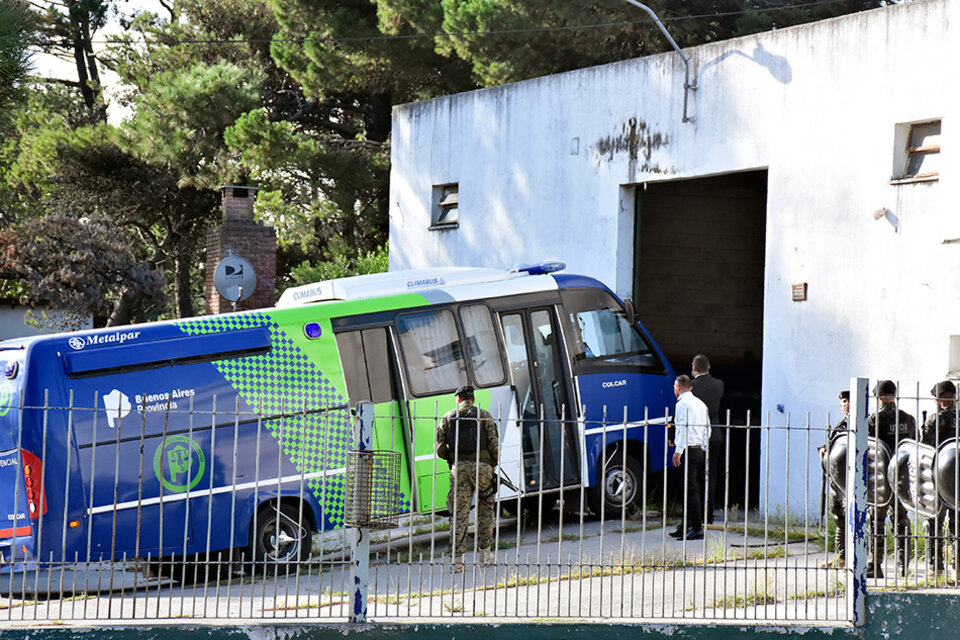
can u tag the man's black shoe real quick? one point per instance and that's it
(676, 533)
(695, 534)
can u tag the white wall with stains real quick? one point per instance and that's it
(545, 169)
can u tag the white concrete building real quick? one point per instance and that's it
(811, 168)
(17, 321)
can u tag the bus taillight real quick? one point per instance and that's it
(32, 468)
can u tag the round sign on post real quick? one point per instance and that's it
(235, 279)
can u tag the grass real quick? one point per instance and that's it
(837, 589)
(442, 525)
(630, 564)
(757, 593)
(778, 534)
(453, 607)
(327, 593)
(79, 596)
(414, 554)
(570, 537)
(620, 531)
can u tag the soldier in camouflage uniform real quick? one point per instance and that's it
(472, 471)
(939, 428)
(889, 425)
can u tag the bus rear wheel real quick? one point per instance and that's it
(282, 535)
(619, 487)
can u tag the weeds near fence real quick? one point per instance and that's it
(757, 593)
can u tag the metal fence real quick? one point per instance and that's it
(230, 514)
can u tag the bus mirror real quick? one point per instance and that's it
(631, 311)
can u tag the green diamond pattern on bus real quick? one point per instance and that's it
(285, 381)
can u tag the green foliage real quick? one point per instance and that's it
(30, 154)
(30, 137)
(16, 27)
(341, 265)
(293, 96)
(335, 47)
(181, 117)
(506, 40)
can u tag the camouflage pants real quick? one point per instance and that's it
(466, 479)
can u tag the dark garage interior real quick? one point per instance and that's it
(698, 288)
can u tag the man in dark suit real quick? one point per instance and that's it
(710, 391)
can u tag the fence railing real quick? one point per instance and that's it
(240, 514)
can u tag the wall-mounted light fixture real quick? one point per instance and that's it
(688, 85)
(891, 217)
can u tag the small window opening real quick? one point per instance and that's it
(446, 214)
(918, 151)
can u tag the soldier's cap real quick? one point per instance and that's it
(465, 391)
(885, 388)
(944, 389)
(845, 394)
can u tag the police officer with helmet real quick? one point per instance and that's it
(467, 439)
(837, 500)
(939, 428)
(889, 425)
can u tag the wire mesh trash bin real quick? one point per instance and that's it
(373, 490)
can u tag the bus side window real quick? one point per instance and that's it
(432, 352)
(482, 344)
(365, 355)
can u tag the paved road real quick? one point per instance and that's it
(581, 570)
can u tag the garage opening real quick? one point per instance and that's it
(698, 287)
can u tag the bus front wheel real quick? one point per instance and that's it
(282, 535)
(619, 487)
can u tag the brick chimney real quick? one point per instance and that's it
(238, 235)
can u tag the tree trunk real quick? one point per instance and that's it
(87, 72)
(183, 297)
(378, 120)
(123, 312)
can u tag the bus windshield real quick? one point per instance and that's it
(601, 333)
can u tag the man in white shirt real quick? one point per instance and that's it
(692, 420)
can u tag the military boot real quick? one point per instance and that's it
(840, 542)
(901, 551)
(901, 546)
(934, 550)
(877, 554)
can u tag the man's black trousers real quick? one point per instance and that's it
(693, 462)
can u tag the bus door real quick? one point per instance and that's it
(545, 428)
(367, 357)
(441, 349)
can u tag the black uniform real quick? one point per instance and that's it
(938, 428)
(890, 425)
(710, 391)
(838, 505)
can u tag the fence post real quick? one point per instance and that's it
(856, 507)
(360, 537)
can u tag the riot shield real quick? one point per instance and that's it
(879, 492)
(911, 474)
(946, 472)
